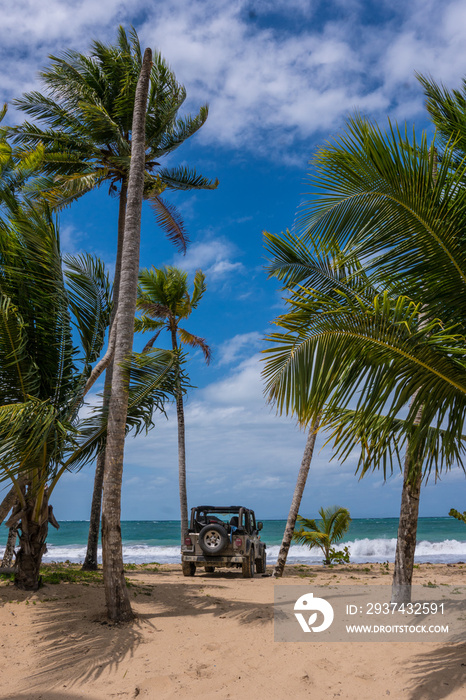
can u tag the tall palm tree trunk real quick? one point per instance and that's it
(116, 594)
(296, 502)
(407, 525)
(181, 446)
(90, 561)
(407, 531)
(182, 465)
(410, 495)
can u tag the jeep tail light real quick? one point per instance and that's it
(188, 541)
(238, 542)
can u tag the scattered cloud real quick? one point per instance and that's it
(212, 256)
(234, 348)
(71, 239)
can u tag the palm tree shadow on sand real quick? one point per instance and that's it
(75, 644)
(437, 673)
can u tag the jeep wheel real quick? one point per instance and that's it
(188, 568)
(261, 563)
(248, 566)
(213, 539)
(209, 569)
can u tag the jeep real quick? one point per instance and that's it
(223, 537)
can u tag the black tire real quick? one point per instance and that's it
(213, 539)
(261, 563)
(248, 567)
(188, 568)
(209, 569)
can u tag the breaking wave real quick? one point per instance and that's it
(361, 550)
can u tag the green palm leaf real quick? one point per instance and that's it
(403, 221)
(185, 179)
(89, 295)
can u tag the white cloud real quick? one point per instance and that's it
(71, 239)
(269, 82)
(213, 257)
(233, 348)
(239, 450)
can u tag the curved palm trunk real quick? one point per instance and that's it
(116, 594)
(296, 502)
(90, 561)
(7, 504)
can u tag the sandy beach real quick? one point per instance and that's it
(210, 636)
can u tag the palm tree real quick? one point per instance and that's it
(84, 126)
(86, 135)
(354, 332)
(296, 501)
(165, 300)
(116, 594)
(42, 373)
(325, 533)
(406, 216)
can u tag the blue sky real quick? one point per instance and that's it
(280, 79)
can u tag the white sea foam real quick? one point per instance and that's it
(363, 550)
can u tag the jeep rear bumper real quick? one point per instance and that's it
(213, 561)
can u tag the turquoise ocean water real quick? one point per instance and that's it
(369, 540)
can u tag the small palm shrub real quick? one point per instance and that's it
(325, 533)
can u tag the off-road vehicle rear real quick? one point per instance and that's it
(223, 537)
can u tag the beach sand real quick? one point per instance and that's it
(210, 636)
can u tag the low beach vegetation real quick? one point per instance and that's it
(457, 515)
(323, 534)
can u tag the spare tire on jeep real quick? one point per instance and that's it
(213, 539)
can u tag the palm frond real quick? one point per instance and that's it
(334, 350)
(195, 341)
(180, 178)
(382, 443)
(169, 219)
(144, 324)
(89, 293)
(199, 289)
(402, 215)
(181, 130)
